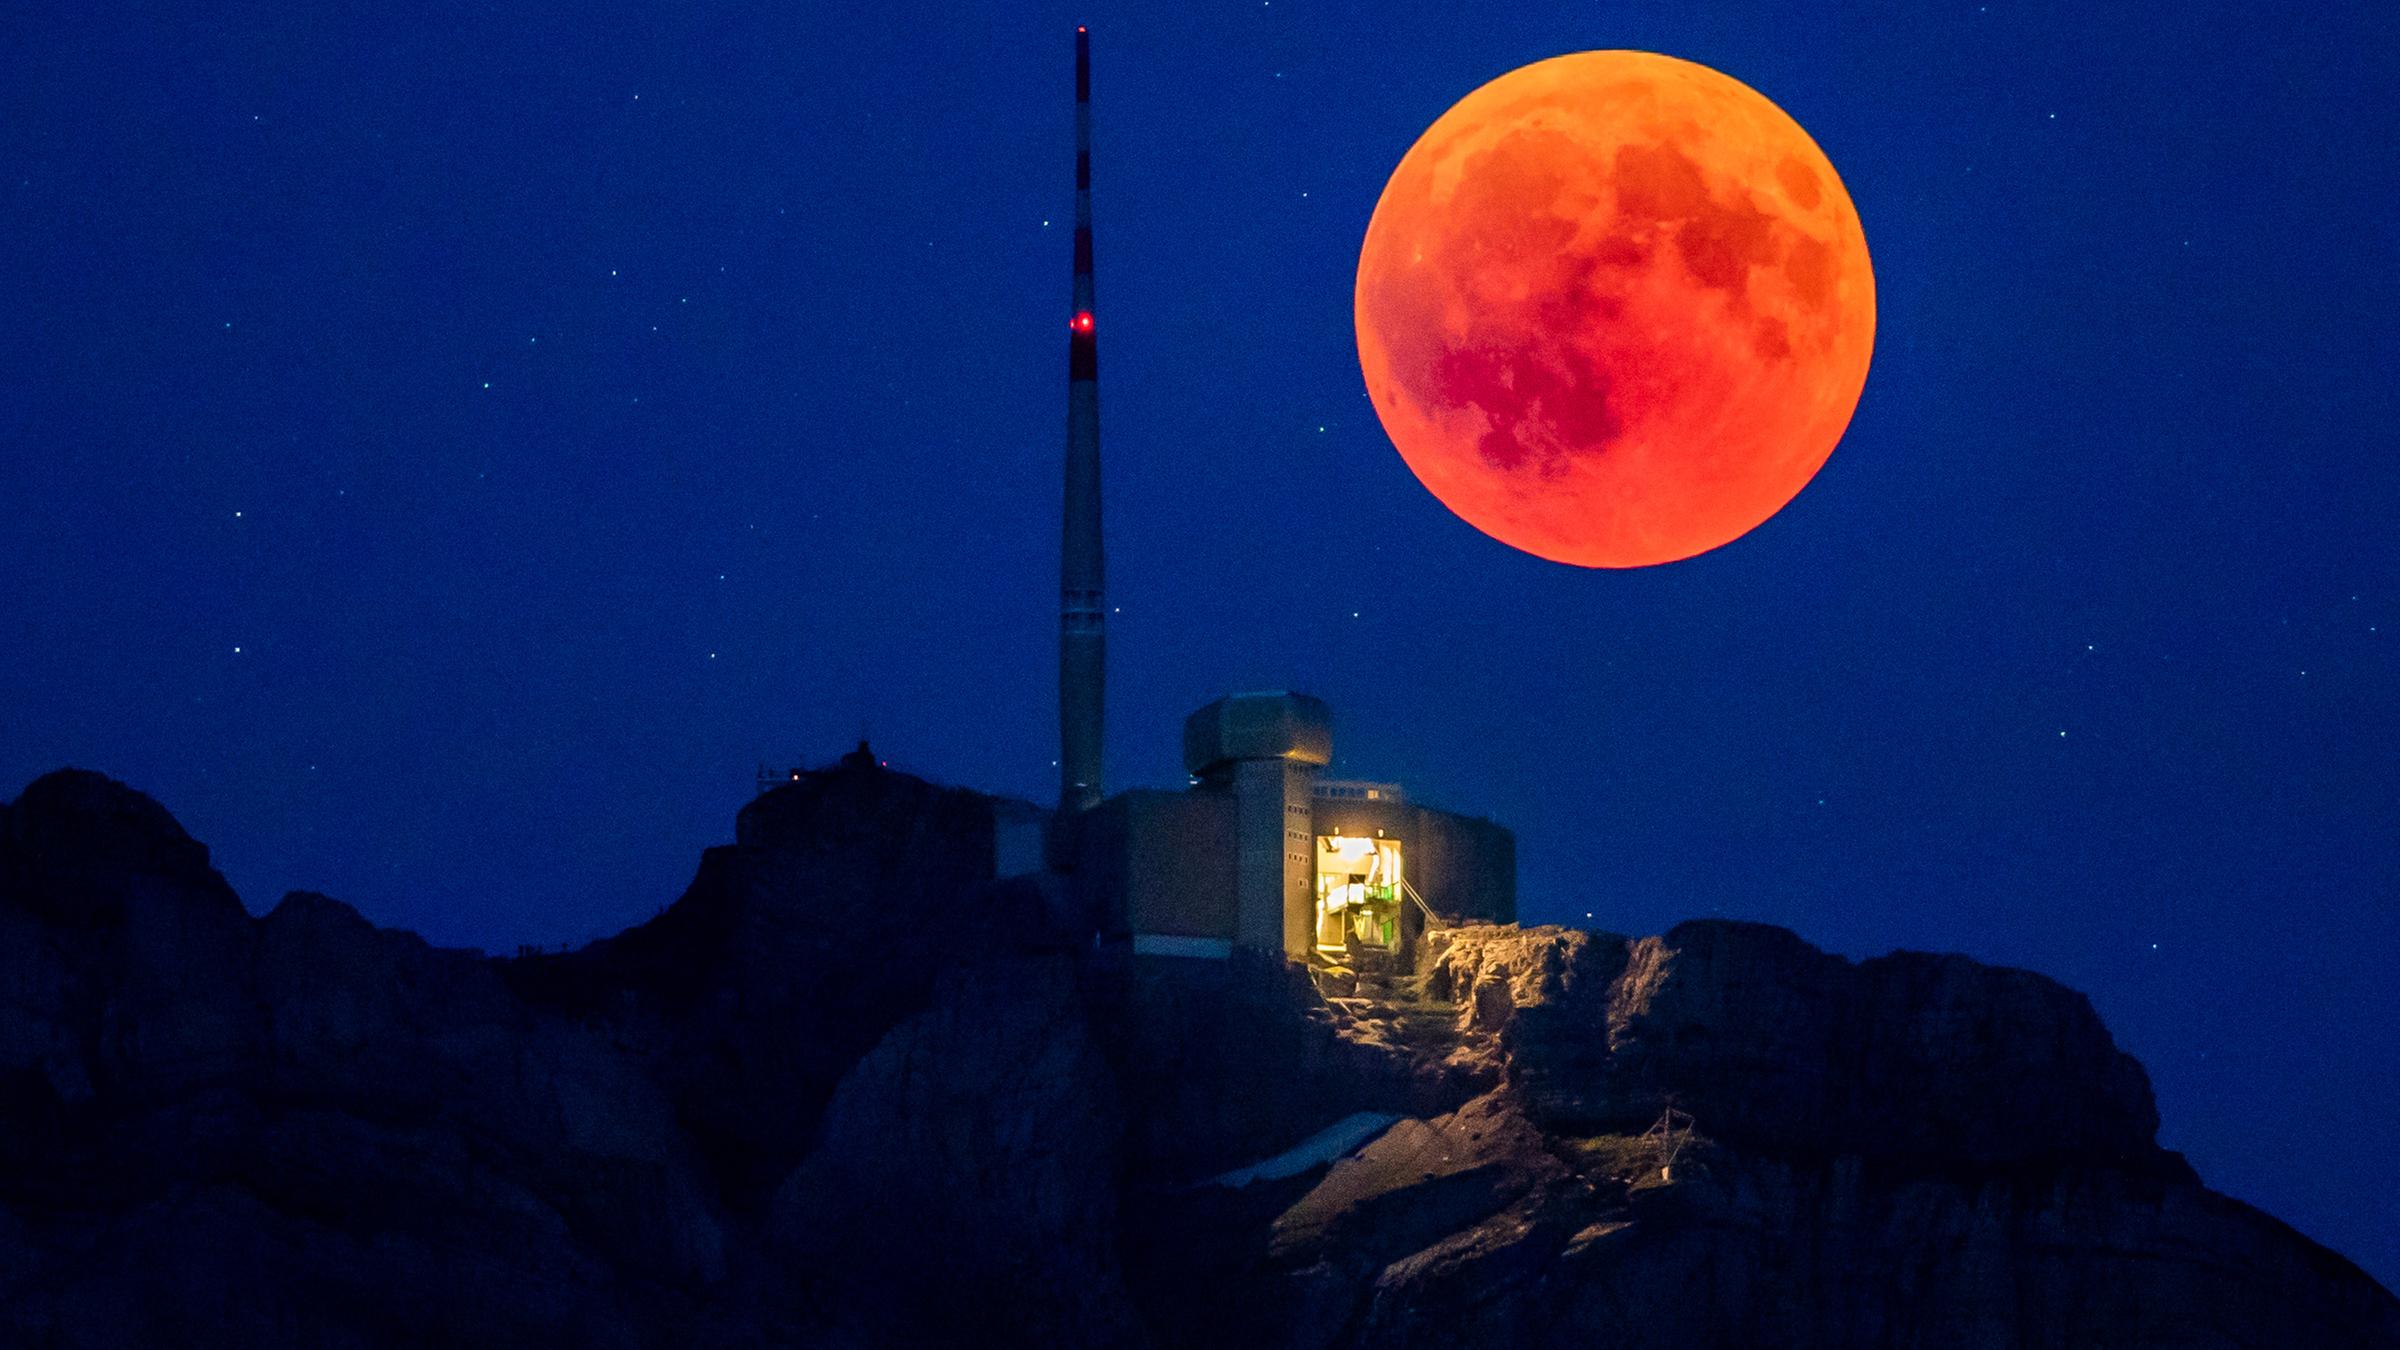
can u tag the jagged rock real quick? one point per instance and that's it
(1226, 1062)
(124, 981)
(1304, 1268)
(76, 845)
(398, 1030)
(1774, 1044)
(964, 1179)
(228, 1131)
(848, 1092)
(1416, 1183)
(846, 894)
(1828, 1256)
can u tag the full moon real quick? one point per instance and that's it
(1615, 309)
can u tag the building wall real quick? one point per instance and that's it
(1236, 863)
(1336, 815)
(1466, 868)
(1152, 862)
(1479, 867)
(1275, 842)
(1020, 837)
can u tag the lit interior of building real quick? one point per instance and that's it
(1358, 894)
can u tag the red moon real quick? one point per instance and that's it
(1615, 309)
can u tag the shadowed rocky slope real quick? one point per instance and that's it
(849, 1092)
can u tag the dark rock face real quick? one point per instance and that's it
(222, 1130)
(842, 900)
(966, 1169)
(848, 1092)
(1222, 1062)
(1774, 1044)
(1744, 1251)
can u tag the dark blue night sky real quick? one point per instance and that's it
(442, 455)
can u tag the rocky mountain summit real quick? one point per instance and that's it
(852, 1091)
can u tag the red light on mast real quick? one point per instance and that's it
(1082, 322)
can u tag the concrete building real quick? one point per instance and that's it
(1262, 854)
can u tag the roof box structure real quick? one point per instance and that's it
(1268, 725)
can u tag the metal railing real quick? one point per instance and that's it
(1432, 918)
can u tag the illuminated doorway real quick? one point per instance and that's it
(1358, 894)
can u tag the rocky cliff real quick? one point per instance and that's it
(848, 1091)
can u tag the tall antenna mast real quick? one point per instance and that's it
(1082, 625)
